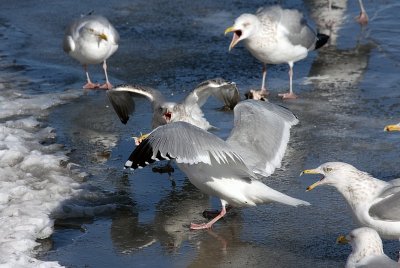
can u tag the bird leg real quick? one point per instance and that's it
(208, 225)
(166, 169)
(107, 85)
(89, 84)
(289, 95)
(209, 214)
(264, 92)
(363, 17)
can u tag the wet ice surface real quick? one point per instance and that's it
(348, 93)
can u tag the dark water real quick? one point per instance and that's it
(348, 92)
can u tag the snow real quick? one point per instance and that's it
(33, 184)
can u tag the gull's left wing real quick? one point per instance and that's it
(225, 91)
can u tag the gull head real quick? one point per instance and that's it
(168, 112)
(333, 173)
(364, 241)
(244, 26)
(94, 31)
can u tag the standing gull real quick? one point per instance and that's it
(367, 249)
(226, 169)
(274, 36)
(188, 110)
(91, 40)
(374, 203)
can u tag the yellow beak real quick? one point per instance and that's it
(392, 128)
(103, 36)
(235, 38)
(229, 29)
(342, 240)
(311, 171)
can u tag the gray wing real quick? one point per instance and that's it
(388, 206)
(187, 144)
(225, 91)
(261, 133)
(381, 261)
(121, 98)
(298, 31)
(71, 33)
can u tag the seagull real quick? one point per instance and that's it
(374, 203)
(226, 169)
(362, 18)
(188, 110)
(274, 36)
(395, 127)
(91, 40)
(367, 249)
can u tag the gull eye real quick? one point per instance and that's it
(327, 169)
(246, 24)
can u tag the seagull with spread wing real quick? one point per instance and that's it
(228, 169)
(188, 110)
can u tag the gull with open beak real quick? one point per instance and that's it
(188, 110)
(91, 40)
(228, 169)
(374, 203)
(275, 35)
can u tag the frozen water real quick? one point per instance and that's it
(33, 184)
(61, 151)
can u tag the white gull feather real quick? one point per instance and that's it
(226, 169)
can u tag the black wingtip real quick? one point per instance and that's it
(143, 156)
(322, 40)
(124, 120)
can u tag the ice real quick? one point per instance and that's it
(33, 183)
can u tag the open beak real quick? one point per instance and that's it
(312, 171)
(167, 116)
(236, 36)
(392, 128)
(342, 240)
(103, 36)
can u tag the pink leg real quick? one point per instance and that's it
(194, 226)
(363, 17)
(89, 84)
(264, 92)
(289, 95)
(107, 85)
